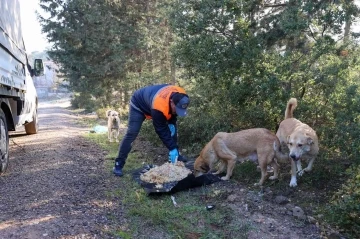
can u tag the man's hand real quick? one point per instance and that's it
(172, 129)
(173, 155)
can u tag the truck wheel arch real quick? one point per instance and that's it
(8, 114)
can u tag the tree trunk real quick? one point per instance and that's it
(347, 25)
(173, 72)
(347, 30)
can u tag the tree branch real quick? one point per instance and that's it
(276, 5)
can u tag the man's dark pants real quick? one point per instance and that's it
(136, 118)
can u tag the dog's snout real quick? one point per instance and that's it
(197, 173)
(293, 156)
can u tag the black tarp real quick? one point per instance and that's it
(189, 182)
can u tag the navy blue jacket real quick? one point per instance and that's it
(142, 99)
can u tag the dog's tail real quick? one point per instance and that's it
(290, 107)
(280, 156)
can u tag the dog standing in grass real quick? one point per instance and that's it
(301, 140)
(113, 125)
(258, 145)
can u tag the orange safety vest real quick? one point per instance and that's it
(161, 100)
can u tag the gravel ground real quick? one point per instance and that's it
(56, 183)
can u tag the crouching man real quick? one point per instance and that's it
(162, 104)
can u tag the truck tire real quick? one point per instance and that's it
(32, 127)
(4, 143)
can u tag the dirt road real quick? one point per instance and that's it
(56, 182)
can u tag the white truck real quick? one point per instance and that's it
(18, 98)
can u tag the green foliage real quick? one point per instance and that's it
(245, 72)
(91, 43)
(249, 59)
(83, 101)
(344, 210)
(108, 48)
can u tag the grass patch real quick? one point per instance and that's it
(246, 172)
(189, 220)
(103, 142)
(88, 122)
(123, 235)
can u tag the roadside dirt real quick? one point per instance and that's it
(56, 182)
(57, 186)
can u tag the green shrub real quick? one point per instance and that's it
(148, 131)
(101, 113)
(344, 210)
(83, 101)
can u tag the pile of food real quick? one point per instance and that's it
(165, 173)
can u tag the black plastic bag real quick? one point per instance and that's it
(189, 182)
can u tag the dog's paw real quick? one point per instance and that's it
(301, 172)
(293, 182)
(224, 178)
(272, 177)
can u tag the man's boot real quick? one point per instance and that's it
(117, 170)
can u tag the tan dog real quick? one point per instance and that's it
(113, 125)
(301, 140)
(258, 145)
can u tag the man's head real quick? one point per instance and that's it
(179, 103)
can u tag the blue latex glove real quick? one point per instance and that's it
(172, 129)
(173, 155)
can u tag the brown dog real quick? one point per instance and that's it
(301, 140)
(258, 145)
(113, 125)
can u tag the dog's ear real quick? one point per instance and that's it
(205, 167)
(108, 112)
(309, 141)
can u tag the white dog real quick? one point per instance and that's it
(113, 125)
(301, 140)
